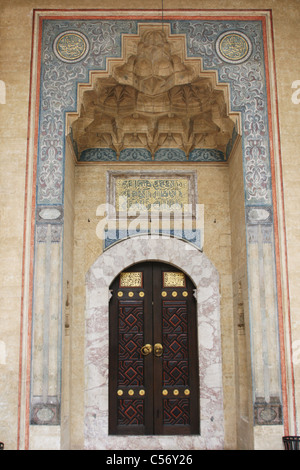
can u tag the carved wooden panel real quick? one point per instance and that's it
(153, 354)
(175, 341)
(130, 340)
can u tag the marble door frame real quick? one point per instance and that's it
(205, 276)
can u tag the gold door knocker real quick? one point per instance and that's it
(146, 349)
(158, 350)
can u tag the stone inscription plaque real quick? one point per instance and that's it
(152, 194)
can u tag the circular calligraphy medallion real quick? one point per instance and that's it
(71, 46)
(233, 47)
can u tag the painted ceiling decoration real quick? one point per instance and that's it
(153, 107)
(232, 75)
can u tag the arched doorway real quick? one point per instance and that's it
(153, 352)
(195, 265)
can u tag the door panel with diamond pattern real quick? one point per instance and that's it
(153, 370)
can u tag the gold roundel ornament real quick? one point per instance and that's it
(130, 294)
(174, 293)
(71, 46)
(142, 294)
(185, 293)
(164, 294)
(233, 47)
(120, 294)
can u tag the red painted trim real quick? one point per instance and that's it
(264, 10)
(32, 227)
(156, 17)
(24, 240)
(284, 230)
(34, 176)
(276, 237)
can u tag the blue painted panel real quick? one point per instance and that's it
(192, 236)
(206, 155)
(135, 155)
(170, 155)
(98, 155)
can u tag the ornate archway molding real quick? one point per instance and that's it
(153, 104)
(54, 82)
(204, 275)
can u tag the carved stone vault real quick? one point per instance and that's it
(155, 99)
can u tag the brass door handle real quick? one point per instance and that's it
(146, 349)
(158, 349)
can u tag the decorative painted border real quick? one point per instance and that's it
(247, 83)
(162, 155)
(33, 150)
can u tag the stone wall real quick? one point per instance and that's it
(17, 185)
(90, 192)
(206, 279)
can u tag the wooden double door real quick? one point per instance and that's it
(153, 354)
